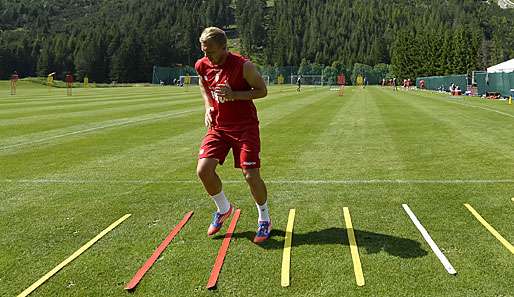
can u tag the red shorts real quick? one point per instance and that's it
(245, 146)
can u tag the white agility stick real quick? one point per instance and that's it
(429, 240)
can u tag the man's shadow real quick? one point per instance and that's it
(372, 242)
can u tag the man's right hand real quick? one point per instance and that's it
(208, 117)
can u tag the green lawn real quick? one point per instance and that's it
(70, 166)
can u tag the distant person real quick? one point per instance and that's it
(452, 88)
(299, 83)
(69, 83)
(14, 80)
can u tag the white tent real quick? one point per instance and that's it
(507, 66)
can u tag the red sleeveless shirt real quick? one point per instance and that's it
(227, 115)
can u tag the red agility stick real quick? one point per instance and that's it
(213, 279)
(141, 272)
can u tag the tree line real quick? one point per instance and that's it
(122, 40)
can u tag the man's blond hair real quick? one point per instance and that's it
(215, 34)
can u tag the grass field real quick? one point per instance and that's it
(70, 166)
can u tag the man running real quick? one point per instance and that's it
(229, 84)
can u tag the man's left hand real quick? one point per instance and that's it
(225, 91)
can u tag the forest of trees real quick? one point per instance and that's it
(121, 40)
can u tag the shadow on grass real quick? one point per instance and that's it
(372, 242)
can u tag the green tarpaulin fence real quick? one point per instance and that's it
(501, 82)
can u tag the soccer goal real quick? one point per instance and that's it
(185, 80)
(309, 80)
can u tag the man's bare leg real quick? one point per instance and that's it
(257, 186)
(206, 171)
(260, 195)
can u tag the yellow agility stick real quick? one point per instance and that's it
(72, 257)
(286, 258)
(359, 277)
(490, 228)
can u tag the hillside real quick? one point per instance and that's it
(122, 40)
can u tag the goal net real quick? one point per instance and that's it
(310, 80)
(185, 80)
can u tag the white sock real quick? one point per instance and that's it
(221, 202)
(263, 212)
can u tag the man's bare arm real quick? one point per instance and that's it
(254, 79)
(207, 103)
(204, 94)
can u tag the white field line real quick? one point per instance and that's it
(94, 102)
(481, 107)
(83, 102)
(484, 108)
(306, 182)
(78, 113)
(97, 128)
(101, 127)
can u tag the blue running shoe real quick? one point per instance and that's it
(217, 221)
(263, 232)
